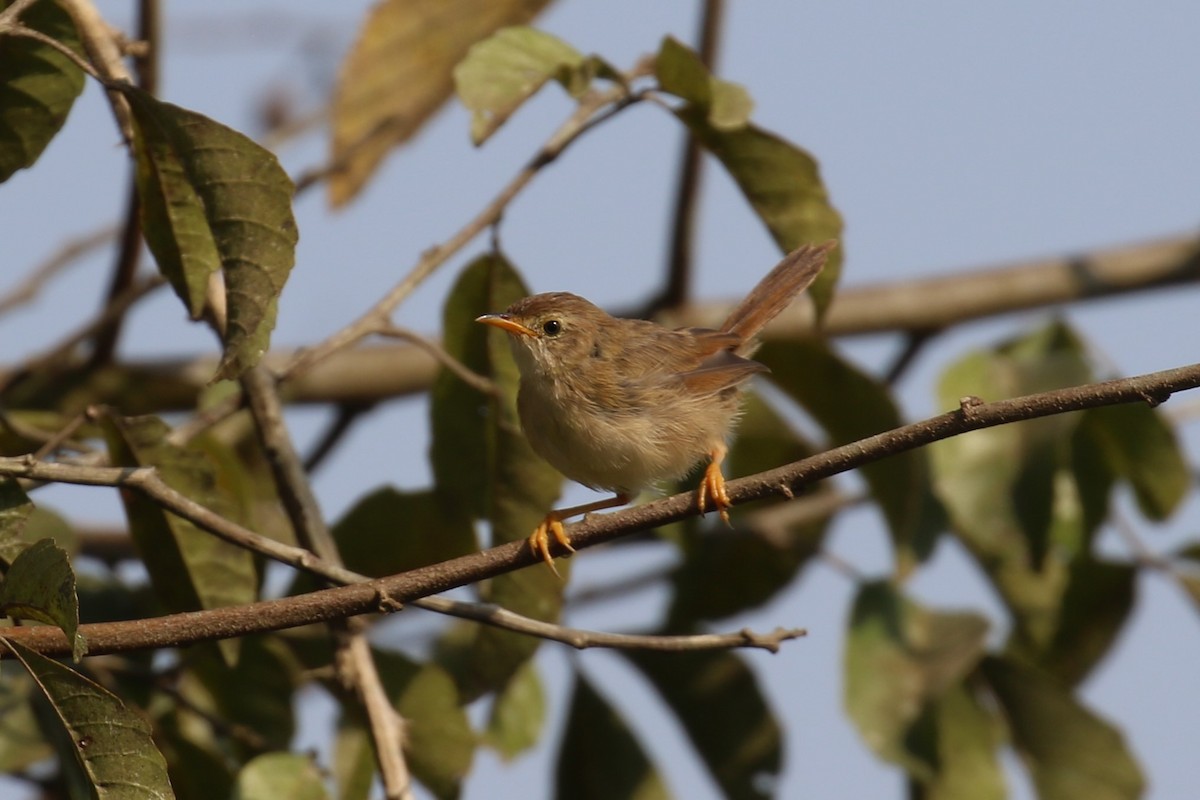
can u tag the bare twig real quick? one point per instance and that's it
(587, 116)
(388, 594)
(914, 343)
(10, 15)
(56, 440)
(27, 290)
(473, 379)
(104, 49)
(355, 662)
(64, 348)
(49, 41)
(582, 640)
(687, 193)
(347, 414)
(129, 254)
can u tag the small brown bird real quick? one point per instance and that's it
(622, 404)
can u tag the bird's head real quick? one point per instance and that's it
(551, 334)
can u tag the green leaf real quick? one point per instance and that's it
(38, 86)
(257, 693)
(1096, 604)
(680, 72)
(964, 752)
(1019, 496)
(851, 405)
(21, 742)
(40, 585)
(15, 510)
(718, 701)
(440, 743)
(1069, 750)
(900, 657)
(212, 198)
(112, 744)
(353, 757)
(190, 568)
(389, 531)
(518, 714)
(783, 185)
(1140, 447)
(503, 71)
(277, 775)
(484, 465)
(198, 764)
(599, 757)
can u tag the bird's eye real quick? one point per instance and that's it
(552, 327)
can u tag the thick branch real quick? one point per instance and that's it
(388, 594)
(371, 374)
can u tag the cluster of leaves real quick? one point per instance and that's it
(217, 719)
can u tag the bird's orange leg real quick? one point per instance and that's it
(712, 487)
(539, 540)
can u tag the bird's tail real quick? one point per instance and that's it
(776, 291)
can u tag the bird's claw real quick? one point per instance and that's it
(539, 540)
(712, 487)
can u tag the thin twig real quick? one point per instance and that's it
(1141, 552)
(582, 640)
(290, 478)
(49, 41)
(104, 49)
(10, 15)
(586, 116)
(347, 414)
(129, 254)
(56, 440)
(687, 194)
(468, 376)
(914, 343)
(47, 441)
(63, 349)
(28, 289)
(358, 669)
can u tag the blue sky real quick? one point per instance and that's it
(950, 136)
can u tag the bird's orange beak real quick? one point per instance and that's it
(505, 323)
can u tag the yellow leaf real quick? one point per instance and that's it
(399, 72)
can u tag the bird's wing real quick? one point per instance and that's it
(720, 371)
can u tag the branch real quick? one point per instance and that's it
(63, 350)
(937, 303)
(27, 290)
(372, 374)
(105, 52)
(582, 640)
(687, 193)
(355, 664)
(146, 481)
(386, 595)
(585, 118)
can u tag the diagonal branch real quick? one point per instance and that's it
(388, 594)
(593, 109)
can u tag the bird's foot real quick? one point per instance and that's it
(539, 540)
(712, 488)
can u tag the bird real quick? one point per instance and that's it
(620, 405)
